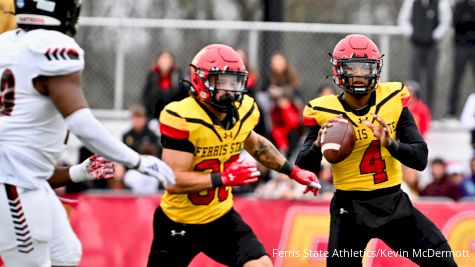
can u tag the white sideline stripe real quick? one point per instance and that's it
(333, 146)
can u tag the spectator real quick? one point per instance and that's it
(251, 86)
(139, 133)
(283, 78)
(277, 188)
(464, 25)
(448, 185)
(325, 89)
(252, 76)
(437, 169)
(283, 74)
(468, 184)
(163, 85)
(420, 111)
(425, 22)
(468, 118)
(286, 126)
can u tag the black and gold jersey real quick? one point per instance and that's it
(370, 166)
(213, 146)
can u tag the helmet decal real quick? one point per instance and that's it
(59, 15)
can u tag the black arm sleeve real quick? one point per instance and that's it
(411, 150)
(310, 157)
(176, 144)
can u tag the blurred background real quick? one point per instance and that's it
(121, 49)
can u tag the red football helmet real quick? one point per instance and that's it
(215, 67)
(356, 56)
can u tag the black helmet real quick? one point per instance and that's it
(59, 15)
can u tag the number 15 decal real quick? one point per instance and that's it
(372, 162)
(7, 93)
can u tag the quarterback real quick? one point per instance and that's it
(368, 202)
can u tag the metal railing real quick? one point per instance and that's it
(253, 31)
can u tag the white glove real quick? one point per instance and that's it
(93, 168)
(156, 168)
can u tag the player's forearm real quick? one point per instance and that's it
(265, 152)
(98, 139)
(188, 182)
(310, 157)
(411, 149)
(60, 177)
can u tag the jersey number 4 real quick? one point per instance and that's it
(213, 165)
(372, 162)
(7, 93)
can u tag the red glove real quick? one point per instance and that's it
(93, 168)
(240, 173)
(307, 178)
(101, 168)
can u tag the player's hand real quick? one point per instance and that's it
(152, 166)
(93, 168)
(240, 173)
(323, 129)
(380, 131)
(307, 178)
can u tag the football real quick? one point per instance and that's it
(338, 141)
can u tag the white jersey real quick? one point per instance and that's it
(32, 131)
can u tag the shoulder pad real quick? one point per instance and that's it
(172, 123)
(248, 111)
(54, 52)
(309, 116)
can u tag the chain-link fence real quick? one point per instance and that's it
(120, 52)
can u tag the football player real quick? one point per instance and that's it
(202, 137)
(368, 202)
(41, 101)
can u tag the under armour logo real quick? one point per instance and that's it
(231, 177)
(342, 211)
(230, 135)
(174, 233)
(361, 120)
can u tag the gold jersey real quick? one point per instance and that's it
(214, 149)
(7, 15)
(370, 166)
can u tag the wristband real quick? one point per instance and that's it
(77, 174)
(216, 180)
(286, 168)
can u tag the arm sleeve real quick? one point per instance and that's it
(411, 150)
(468, 114)
(310, 157)
(445, 20)
(177, 144)
(404, 18)
(98, 139)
